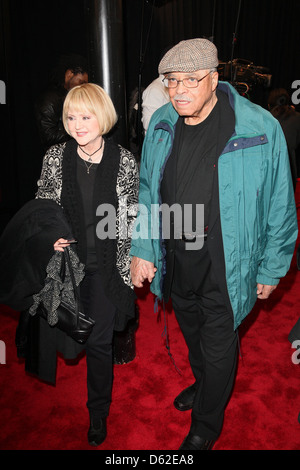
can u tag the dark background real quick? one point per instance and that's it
(35, 33)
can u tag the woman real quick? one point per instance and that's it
(86, 175)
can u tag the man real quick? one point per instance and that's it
(210, 146)
(70, 72)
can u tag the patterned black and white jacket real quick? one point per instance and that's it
(116, 184)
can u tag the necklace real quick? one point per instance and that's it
(91, 154)
(88, 166)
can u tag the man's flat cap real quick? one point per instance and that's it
(189, 56)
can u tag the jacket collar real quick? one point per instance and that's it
(249, 117)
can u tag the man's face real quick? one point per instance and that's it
(194, 103)
(72, 80)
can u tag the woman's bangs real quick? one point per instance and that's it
(81, 103)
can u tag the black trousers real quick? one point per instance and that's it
(207, 327)
(99, 350)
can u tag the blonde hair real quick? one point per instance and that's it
(93, 98)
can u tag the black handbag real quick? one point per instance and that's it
(71, 318)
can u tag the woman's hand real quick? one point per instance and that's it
(60, 244)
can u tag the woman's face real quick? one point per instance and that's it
(83, 126)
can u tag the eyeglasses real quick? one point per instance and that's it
(189, 82)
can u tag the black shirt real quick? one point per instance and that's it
(193, 161)
(196, 162)
(86, 173)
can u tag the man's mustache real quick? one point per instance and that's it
(182, 98)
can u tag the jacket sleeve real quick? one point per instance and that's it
(141, 244)
(127, 192)
(282, 227)
(50, 181)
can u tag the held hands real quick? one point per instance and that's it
(140, 270)
(264, 291)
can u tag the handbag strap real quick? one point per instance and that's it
(62, 273)
(75, 289)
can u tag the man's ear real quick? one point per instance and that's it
(215, 80)
(68, 75)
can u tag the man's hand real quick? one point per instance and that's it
(264, 291)
(140, 270)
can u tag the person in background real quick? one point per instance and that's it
(71, 71)
(154, 96)
(279, 104)
(82, 175)
(214, 149)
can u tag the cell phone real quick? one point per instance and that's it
(69, 241)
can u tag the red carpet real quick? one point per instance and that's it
(261, 415)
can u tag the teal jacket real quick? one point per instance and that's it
(256, 198)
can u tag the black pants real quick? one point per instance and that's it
(207, 327)
(99, 356)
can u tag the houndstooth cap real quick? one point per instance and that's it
(189, 56)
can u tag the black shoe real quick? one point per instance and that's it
(193, 442)
(97, 431)
(184, 401)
